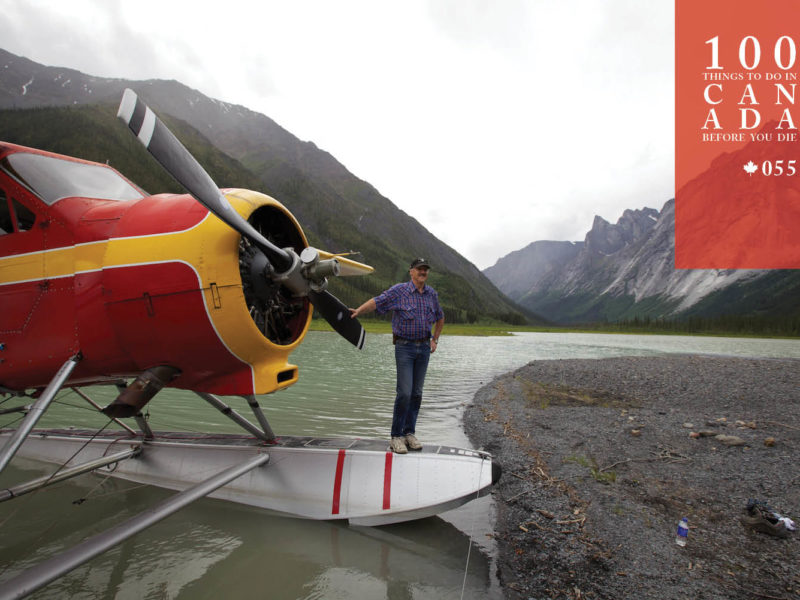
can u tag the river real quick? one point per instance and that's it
(215, 549)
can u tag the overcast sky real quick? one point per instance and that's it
(494, 123)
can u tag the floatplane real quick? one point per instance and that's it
(210, 291)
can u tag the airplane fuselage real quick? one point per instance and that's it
(129, 281)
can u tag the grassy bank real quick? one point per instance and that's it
(477, 329)
(499, 329)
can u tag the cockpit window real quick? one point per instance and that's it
(9, 209)
(25, 217)
(6, 224)
(53, 179)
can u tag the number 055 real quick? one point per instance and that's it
(777, 168)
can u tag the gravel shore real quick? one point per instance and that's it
(602, 458)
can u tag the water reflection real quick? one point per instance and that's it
(214, 549)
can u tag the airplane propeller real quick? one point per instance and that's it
(304, 275)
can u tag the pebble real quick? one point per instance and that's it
(729, 440)
(706, 433)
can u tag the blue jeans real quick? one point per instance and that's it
(412, 364)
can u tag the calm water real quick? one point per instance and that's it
(213, 549)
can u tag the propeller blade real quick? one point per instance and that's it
(338, 315)
(347, 267)
(303, 275)
(178, 162)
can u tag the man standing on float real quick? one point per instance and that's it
(416, 309)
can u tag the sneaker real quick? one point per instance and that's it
(412, 442)
(760, 517)
(398, 445)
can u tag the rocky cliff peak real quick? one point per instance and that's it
(632, 227)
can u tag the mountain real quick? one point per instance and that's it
(626, 270)
(515, 272)
(242, 148)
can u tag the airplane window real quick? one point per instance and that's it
(53, 179)
(25, 217)
(6, 224)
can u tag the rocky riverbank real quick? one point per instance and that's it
(603, 457)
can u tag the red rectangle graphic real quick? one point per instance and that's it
(737, 146)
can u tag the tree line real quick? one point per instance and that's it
(787, 326)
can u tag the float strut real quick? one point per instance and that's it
(36, 577)
(261, 417)
(37, 410)
(100, 408)
(234, 416)
(35, 484)
(141, 421)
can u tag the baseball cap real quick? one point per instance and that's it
(419, 262)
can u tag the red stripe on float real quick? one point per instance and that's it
(387, 482)
(337, 482)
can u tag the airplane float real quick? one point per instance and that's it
(101, 283)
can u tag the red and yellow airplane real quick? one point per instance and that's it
(207, 291)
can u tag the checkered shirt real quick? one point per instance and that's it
(414, 313)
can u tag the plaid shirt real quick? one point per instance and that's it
(414, 313)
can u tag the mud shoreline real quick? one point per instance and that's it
(600, 464)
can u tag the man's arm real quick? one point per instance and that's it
(365, 308)
(437, 331)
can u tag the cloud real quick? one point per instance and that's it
(546, 112)
(482, 23)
